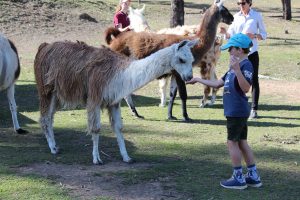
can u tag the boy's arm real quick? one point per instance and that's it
(243, 83)
(215, 84)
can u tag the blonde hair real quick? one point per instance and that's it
(119, 7)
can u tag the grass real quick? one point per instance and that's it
(192, 155)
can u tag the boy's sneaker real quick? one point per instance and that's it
(253, 114)
(253, 182)
(234, 183)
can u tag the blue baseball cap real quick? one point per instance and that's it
(238, 40)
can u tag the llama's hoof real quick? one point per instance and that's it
(139, 116)
(55, 150)
(162, 105)
(130, 161)
(21, 131)
(98, 162)
(172, 118)
(211, 103)
(187, 119)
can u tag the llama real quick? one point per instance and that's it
(142, 44)
(207, 65)
(70, 73)
(207, 71)
(9, 73)
(138, 22)
(188, 30)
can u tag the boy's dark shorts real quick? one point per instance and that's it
(237, 128)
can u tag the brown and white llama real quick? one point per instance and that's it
(142, 44)
(207, 65)
(9, 73)
(70, 73)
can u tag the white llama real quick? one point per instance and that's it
(137, 19)
(9, 73)
(70, 73)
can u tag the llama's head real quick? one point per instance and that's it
(137, 19)
(226, 16)
(183, 58)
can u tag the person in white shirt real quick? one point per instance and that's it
(249, 21)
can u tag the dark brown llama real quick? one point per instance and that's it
(142, 44)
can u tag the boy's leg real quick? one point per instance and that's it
(247, 152)
(237, 181)
(235, 153)
(252, 177)
(234, 129)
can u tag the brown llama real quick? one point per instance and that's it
(9, 73)
(207, 65)
(70, 73)
(142, 44)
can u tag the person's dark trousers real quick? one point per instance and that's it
(254, 59)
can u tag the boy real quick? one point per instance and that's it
(237, 82)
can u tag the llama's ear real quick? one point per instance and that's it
(189, 43)
(193, 43)
(130, 9)
(142, 9)
(219, 3)
(182, 43)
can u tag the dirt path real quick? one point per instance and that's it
(88, 182)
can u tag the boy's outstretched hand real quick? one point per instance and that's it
(192, 81)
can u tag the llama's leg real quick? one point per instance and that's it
(116, 124)
(13, 109)
(183, 95)
(48, 106)
(131, 105)
(94, 129)
(173, 93)
(205, 96)
(215, 90)
(163, 84)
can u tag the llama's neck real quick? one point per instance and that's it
(138, 74)
(207, 32)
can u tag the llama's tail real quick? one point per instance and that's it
(39, 64)
(14, 48)
(111, 32)
(39, 57)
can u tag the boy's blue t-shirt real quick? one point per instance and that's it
(235, 100)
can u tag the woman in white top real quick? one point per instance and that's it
(250, 22)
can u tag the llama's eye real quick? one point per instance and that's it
(181, 60)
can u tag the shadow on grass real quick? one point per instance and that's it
(26, 98)
(75, 147)
(268, 107)
(196, 169)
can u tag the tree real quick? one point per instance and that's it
(286, 8)
(177, 13)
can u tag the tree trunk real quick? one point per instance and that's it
(286, 9)
(177, 13)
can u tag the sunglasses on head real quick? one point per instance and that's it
(241, 3)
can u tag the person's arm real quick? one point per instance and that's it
(215, 84)
(262, 29)
(262, 34)
(224, 32)
(119, 26)
(118, 21)
(243, 83)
